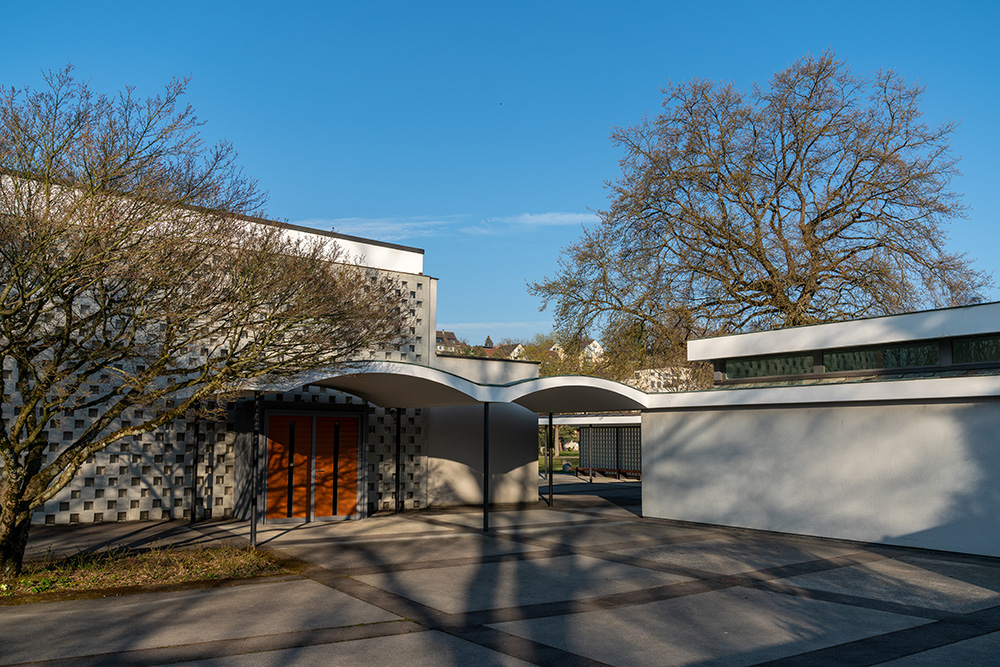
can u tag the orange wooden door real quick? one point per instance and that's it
(289, 454)
(336, 489)
(294, 490)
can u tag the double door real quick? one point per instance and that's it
(312, 466)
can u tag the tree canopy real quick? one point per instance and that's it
(135, 281)
(823, 196)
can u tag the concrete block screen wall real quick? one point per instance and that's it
(201, 468)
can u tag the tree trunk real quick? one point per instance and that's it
(15, 522)
(13, 540)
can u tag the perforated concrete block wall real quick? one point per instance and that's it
(188, 467)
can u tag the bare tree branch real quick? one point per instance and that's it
(132, 279)
(822, 197)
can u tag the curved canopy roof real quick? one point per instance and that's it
(575, 393)
(406, 386)
(403, 385)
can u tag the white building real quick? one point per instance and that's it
(881, 430)
(325, 453)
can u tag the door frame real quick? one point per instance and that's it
(289, 410)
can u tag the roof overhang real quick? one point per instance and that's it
(575, 393)
(402, 385)
(390, 384)
(909, 327)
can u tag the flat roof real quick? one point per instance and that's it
(367, 252)
(408, 385)
(909, 327)
(336, 235)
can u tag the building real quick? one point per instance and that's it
(881, 430)
(325, 453)
(514, 351)
(653, 380)
(592, 352)
(448, 343)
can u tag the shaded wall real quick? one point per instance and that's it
(487, 371)
(913, 474)
(455, 454)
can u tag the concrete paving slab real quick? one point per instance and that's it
(983, 650)
(387, 526)
(428, 548)
(515, 583)
(731, 627)
(920, 581)
(508, 518)
(88, 627)
(729, 556)
(603, 511)
(433, 558)
(608, 533)
(419, 649)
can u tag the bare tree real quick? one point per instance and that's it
(821, 197)
(133, 281)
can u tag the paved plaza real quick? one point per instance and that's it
(585, 582)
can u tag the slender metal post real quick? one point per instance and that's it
(551, 444)
(194, 466)
(399, 458)
(486, 467)
(618, 452)
(254, 483)
(590, 449)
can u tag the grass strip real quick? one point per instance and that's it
(120, 568)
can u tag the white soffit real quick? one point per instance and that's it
(576, 393)
(389, 384)
(930, 324)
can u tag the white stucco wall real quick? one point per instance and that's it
(916, 474)
(455, 454)
(487, 371)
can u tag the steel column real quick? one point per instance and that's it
(551, 447)
(399, 460)
(254, 482)
(486, 467)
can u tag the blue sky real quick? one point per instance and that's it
(479, 131)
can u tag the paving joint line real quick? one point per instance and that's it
(464, 625)
(848, 599)
(514, 556)
(889, 646)
(221, 648)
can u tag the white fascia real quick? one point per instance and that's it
(923, 389)
(364, 252)
(930, 324)
(593, 420)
